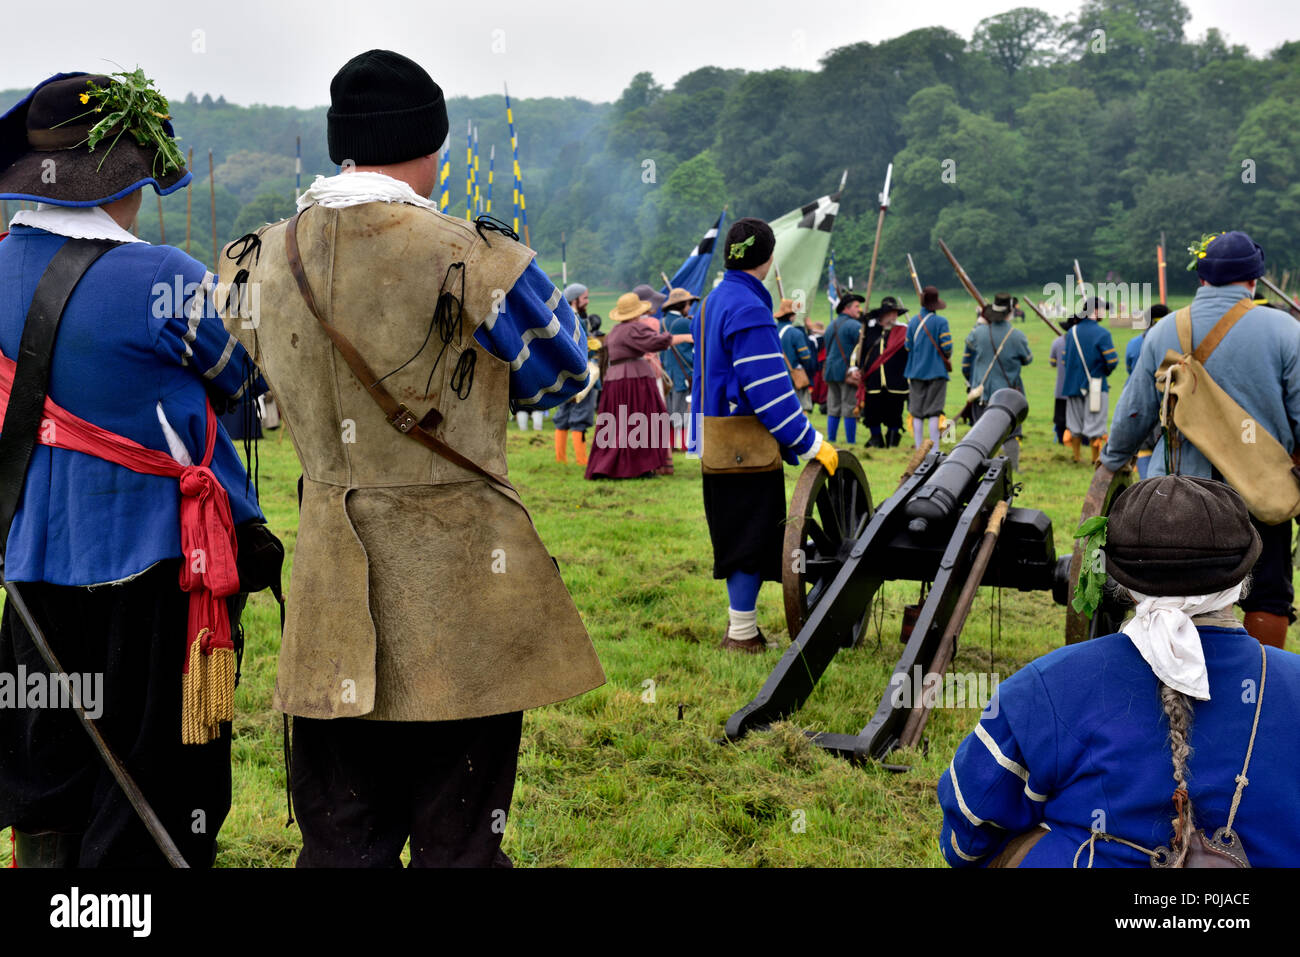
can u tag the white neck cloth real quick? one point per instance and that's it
(75, 222)
(1162, 631)
(353, 189)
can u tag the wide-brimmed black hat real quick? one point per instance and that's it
(44, 156)
(847, 298)
(930, 299)
(888, 304)
(1179, 535)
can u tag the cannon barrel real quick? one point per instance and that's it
(945, 489)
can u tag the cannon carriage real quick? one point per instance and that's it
(950, 524)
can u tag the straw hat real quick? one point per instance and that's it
(785, 309)
(629, 306)
(678, 296)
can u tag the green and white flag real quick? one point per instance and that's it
(803, 237)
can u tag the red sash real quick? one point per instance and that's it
(208, 570)
(897, 335)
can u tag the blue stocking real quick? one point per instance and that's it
(833, 426)
(742, 590)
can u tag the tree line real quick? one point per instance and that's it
(1033, 142)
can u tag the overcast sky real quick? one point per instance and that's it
(284, 52)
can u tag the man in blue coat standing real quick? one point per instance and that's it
(840, 368)
(796, 349)
(1258, 365)
(929, 362)
(99, 548)
(1090, 358)
(740, 375)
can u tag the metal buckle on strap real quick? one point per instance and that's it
(403, 420)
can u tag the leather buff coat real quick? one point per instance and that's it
(420, 591)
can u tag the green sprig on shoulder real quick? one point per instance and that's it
(1092, 567)
(132, 105)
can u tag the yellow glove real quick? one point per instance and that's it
(828, 457)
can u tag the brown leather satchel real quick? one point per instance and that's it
(732, 443)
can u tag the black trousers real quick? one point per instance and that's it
(1271, 588)
(51, 777)
(746, 515)
(361, 788)
(884, 408)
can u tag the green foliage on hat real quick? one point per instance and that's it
(737, 250)
(1092, 570)
(134, 105)
(1197, 250)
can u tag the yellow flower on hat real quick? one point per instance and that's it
(85, 98)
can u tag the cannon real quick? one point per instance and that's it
(951, 524)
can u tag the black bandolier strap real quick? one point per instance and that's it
(26, 408)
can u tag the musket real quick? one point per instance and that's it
(1051, 325)
(780, 290)
(212, 210)
(1277, 291)
(961, 274)
(916, 282)
(123, 777)
(1078, 279)
(564, 261)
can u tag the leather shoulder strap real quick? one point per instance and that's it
(32, 374)
(398, 414)
(1221, 329)
(1183, 320)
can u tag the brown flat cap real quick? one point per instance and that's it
(1178, 535)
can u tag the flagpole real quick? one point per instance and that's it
(444, 199)
(469, 170)
(492, 162)
(478, 200)
(189, 200)
(564, 262)
(1160, 266)
(212, 210)
(297, 169)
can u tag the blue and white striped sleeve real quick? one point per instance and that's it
(991, 791)
(760, 369)
(188, 329)
(537, 333)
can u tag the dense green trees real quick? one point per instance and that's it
(1034, 142)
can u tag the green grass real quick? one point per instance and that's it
(611, 779)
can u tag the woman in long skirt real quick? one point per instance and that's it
(633, 433)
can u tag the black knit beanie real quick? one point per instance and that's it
(384, 108)
(749, 244)
(1179, 535)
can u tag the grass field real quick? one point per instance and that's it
(620, 777)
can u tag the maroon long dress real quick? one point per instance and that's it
(633, 437)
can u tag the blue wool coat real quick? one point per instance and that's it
(745, 374)
(844, 331)
(133, 344)
(676, 323)
(795, 347)
(1098, 348)
(1078, 739)
(923, 360)
(977, 359)
(1257, 363)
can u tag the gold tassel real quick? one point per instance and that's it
(207, 692)
(193, 730)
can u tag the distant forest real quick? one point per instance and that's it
(1033, 142)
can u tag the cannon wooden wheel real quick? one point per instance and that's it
(1108, 617)
(827, 515)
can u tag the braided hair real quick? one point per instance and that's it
(1178, 709)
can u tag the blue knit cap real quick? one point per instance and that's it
(1232, 257)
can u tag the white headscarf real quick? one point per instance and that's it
(1162, 631)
